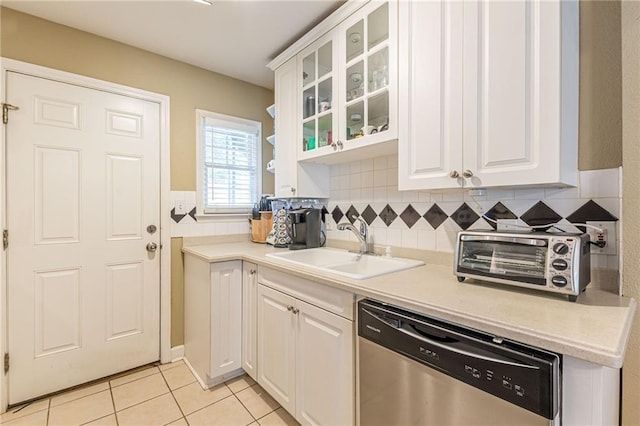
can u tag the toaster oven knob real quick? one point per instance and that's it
(561, 248)
(559, 281)
(559, 264)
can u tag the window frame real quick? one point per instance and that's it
(201, 116)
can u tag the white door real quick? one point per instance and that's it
(325, 392)
(82, 187)
(276, 346)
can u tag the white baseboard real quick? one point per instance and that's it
(177, 353)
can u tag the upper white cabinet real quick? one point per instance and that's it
(349, 86)
(293, 179)
(489, 94)
(346, 92)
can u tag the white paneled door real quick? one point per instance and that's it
(83, 189)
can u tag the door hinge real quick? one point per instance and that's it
(6, 362)
(5, 111)
(5, 239)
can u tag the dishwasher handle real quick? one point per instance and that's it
(448, 346)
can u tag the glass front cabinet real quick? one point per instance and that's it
(348, 85)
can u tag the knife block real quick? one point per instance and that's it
(260, 228)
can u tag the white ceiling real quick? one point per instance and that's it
(232, 37)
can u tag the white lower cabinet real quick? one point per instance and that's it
(213, 318)
(305, 353)
(249, 319)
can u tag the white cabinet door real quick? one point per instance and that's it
(430, 110)
(489, 94)
(325, 367)
(293, 179)
(286, 97)
(226, 318)
(249, 319)
(368, 61)
(276, 346)
(520, 92)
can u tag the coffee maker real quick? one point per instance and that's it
(304, 227)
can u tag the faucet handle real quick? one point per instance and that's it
(363, 226)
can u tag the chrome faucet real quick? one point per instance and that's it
(361, 234)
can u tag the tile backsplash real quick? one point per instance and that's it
(431, 220)
(187, 225)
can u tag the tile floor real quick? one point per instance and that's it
(164, 395)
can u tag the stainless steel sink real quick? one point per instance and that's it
(345, 263)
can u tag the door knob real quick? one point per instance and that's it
(151, 247)
(454, 174)
(467, 174)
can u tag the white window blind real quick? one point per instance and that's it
(230, 152)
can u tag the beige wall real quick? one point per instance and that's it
(30, 39)
(631, 201)
(600, 85)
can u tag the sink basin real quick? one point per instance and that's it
(345, 263)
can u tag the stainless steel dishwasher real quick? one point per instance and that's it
(415, 370)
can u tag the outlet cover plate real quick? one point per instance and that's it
(610, 236)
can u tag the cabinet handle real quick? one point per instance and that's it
(252, 272)
(335, 146)
(289, 308)
(293, 190)
(295, 310)
(454, 174)
(340, 144)
(467, 174)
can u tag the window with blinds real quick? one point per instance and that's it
(229, 164)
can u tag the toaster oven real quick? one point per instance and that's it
(554, 262)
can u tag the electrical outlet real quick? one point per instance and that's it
(512, 225)
(180, 207)
(608, 235)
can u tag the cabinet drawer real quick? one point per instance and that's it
(334, 300)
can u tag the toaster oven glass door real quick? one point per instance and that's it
(507, 260)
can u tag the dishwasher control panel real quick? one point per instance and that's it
(525, 376)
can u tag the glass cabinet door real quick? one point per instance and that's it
(367, 74)
(317, 98)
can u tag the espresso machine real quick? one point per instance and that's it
(304, 227)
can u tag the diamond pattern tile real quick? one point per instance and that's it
(540, 214)
(387, 215)
(192, 213)
(351, 214)
(499, 211)
(435, 216)
(337, 214)
(591, 211)
(410, 216)
(369, 215)
(464, 216)
(176, 217)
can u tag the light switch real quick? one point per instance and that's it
(180, 207)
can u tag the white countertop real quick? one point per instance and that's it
(595, 328)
